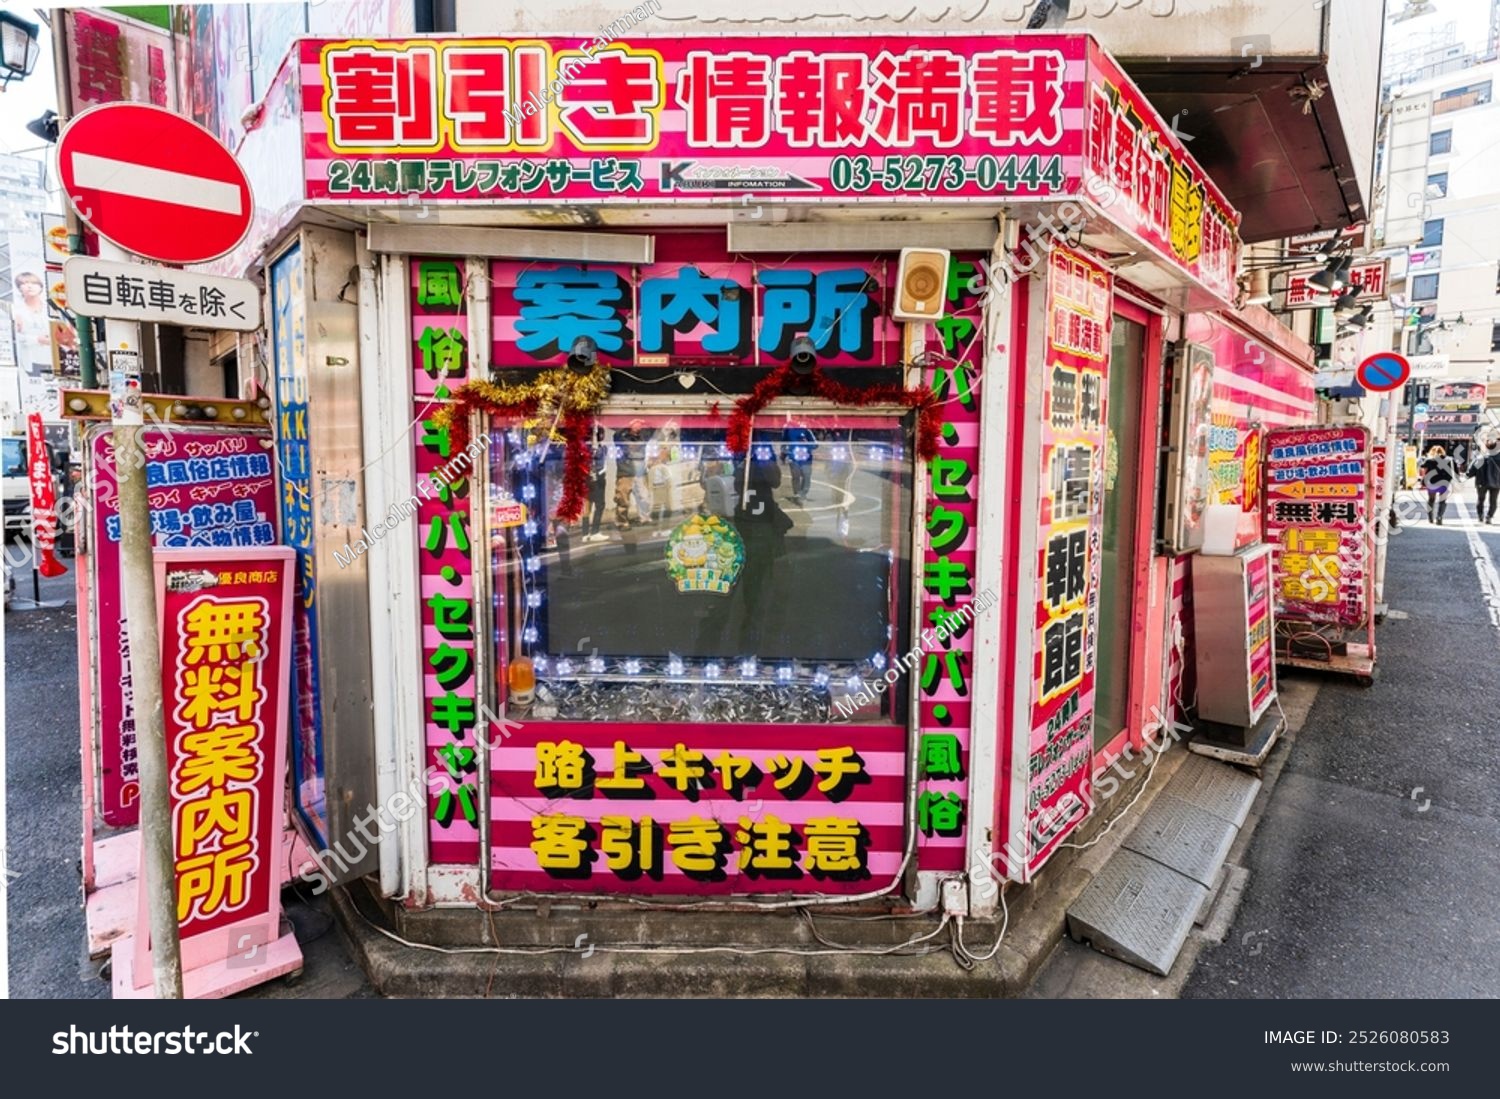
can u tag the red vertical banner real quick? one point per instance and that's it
(1071, 525)
(225, 621)
(43, 498)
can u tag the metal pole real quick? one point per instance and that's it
(138, 581)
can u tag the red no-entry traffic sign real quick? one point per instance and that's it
(1383, 371)
(154, 183)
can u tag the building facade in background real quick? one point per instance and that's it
(1440, 226)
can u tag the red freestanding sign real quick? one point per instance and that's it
(225, 622)
(154, 183)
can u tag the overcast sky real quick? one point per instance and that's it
(1471, 17)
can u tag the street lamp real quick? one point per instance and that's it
(19, 48)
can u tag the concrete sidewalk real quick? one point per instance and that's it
(1377, 868)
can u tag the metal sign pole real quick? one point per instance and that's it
(138, 582)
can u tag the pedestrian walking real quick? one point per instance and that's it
(1438, 476)
(798, 444)
(594, 518)
(630, 467)
(661, 467)
(1485, 470)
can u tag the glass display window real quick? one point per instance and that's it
(702, 586)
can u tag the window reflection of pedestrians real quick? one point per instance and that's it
(594, 518)
(630, 471)
(737, 626)
(797, 451)
(764, 526)
(841, 476)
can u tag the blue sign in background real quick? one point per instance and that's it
(294, 456)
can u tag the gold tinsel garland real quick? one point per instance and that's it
(561, 400)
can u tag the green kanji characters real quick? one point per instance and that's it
(950, 622)
(559, 175)
(442, 351)
(940, 814)
(464, 797)
(439, 174)
(458, 760)
(960, 275)
(630, 176)
(438, 530)
(533, 176)
(413, 176)
(955, 379)
(438, 283)
(950, 478)
(448, 491)
(954, 330)
(933, 666)
(452, 618)
(451, 665)
(941, 756)
(946, 578)
(385, 176)
(435, 438)
(453, 712)
(946, 528)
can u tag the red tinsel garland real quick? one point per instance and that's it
(780, 381)
(575, 426)
(465, 403)
(577, 429)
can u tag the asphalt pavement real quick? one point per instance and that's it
(1376, 867)
(44, 892)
